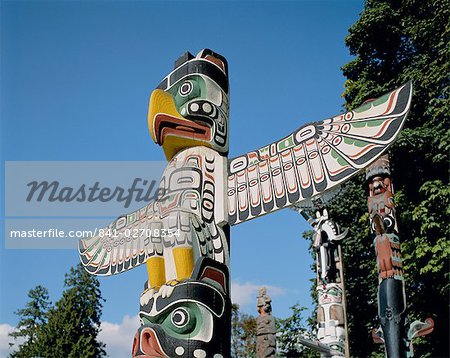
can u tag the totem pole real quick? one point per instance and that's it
(395, 331)
(331, 311)
(183, 237)
(265, 326)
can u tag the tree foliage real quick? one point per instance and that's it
(289, 329)
(395, 41)
(33, 319)
(243, 334)
(68, 329)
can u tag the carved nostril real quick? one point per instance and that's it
(194, 107)
(146, 340)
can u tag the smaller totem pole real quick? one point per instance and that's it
(331, 316)
(265, 326)
(395, 332)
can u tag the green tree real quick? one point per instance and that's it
(243, 334)
(33, 319)
(73, 325)
(248, 324)
(236, 332)
(395, 41)
(289, 329)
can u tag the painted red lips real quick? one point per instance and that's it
(169, 125)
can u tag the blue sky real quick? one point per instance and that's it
(75, 83)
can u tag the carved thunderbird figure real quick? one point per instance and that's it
(186, 240)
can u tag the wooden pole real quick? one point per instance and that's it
(344, 301)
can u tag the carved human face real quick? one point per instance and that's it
(190, 107)
(379, 185)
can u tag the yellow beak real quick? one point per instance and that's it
(160, 103)
(170, 129)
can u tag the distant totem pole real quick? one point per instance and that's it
(331, 317)
(265, 326)
(331, 311)
(395, 332)
(183, 237)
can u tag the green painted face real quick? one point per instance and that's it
(183, 322)
(194, 318)
(190, 88)
(197, 112)
(187, 320)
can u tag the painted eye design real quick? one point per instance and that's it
(388, 223)
(186, 88)
(181, 321)
(187, 320)
(180, 317)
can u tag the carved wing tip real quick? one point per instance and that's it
(81, 247)
(405, 95)
(408, 86)
(85, 259)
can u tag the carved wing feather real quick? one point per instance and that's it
(123, 245)
(314, 159)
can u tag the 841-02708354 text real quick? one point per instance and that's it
(114, 233)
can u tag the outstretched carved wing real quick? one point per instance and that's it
(126, 243)
(315, 158)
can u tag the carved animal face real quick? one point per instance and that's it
(192, 321)
(190, 107)
(185, 322)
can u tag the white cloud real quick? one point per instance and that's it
(245, 293)
(118, 337)
(5, 349)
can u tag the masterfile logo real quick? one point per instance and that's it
(141, 190)
(53, 204)
(96, 189)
